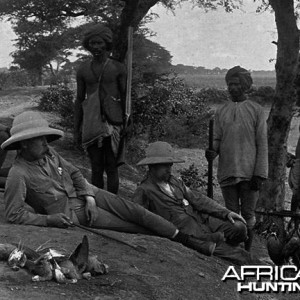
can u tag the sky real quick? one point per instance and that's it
(193, 37)
(217, 39)
(6, 46)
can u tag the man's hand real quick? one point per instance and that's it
(91, 211)
(59, 220)
(210, 154)
(256, 183)
(128, 130)
(234, 216)
(290, 160)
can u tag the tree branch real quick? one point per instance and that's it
(132, 14)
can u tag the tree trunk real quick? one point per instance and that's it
(273, 195)
(132, 14)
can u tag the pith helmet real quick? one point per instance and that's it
(159, 153)
(28, 125)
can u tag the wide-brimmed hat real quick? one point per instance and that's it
(159, 153)
(28, 125)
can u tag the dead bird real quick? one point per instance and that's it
(19, 256)
(17, 259)
(48, 264)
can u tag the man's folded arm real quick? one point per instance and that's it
(80, 183)
(203, 204)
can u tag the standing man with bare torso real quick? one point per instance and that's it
(100, 107)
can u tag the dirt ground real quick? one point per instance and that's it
(167, 270)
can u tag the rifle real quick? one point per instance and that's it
(210, 192)
(282, 213)
(129, 76)
(111, 237)
(122, 147)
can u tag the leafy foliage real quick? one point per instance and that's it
(213, 95)
(192, 178)
(59, 99)
(135, 150)
(263, 95)
(44, 29)
(149, 57)
(14, 78)
(165, 108)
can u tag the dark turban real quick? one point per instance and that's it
(101, 31)
(242, 74)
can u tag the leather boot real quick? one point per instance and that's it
(204, 247)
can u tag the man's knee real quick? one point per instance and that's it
(251, 222)
(237, 233)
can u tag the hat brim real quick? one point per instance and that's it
(159, 160)
(13, 143)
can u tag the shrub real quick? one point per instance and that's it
(192, 178)
(262, 95)
(167, 109)
(4, 77)
(213, 95)
(135, 150)
(14, 78)
(59, 99)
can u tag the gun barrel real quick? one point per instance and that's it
(210, 190)
(129, 71)
(282, 213)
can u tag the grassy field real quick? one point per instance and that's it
(218, 81)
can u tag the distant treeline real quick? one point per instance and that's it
(191, 70)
